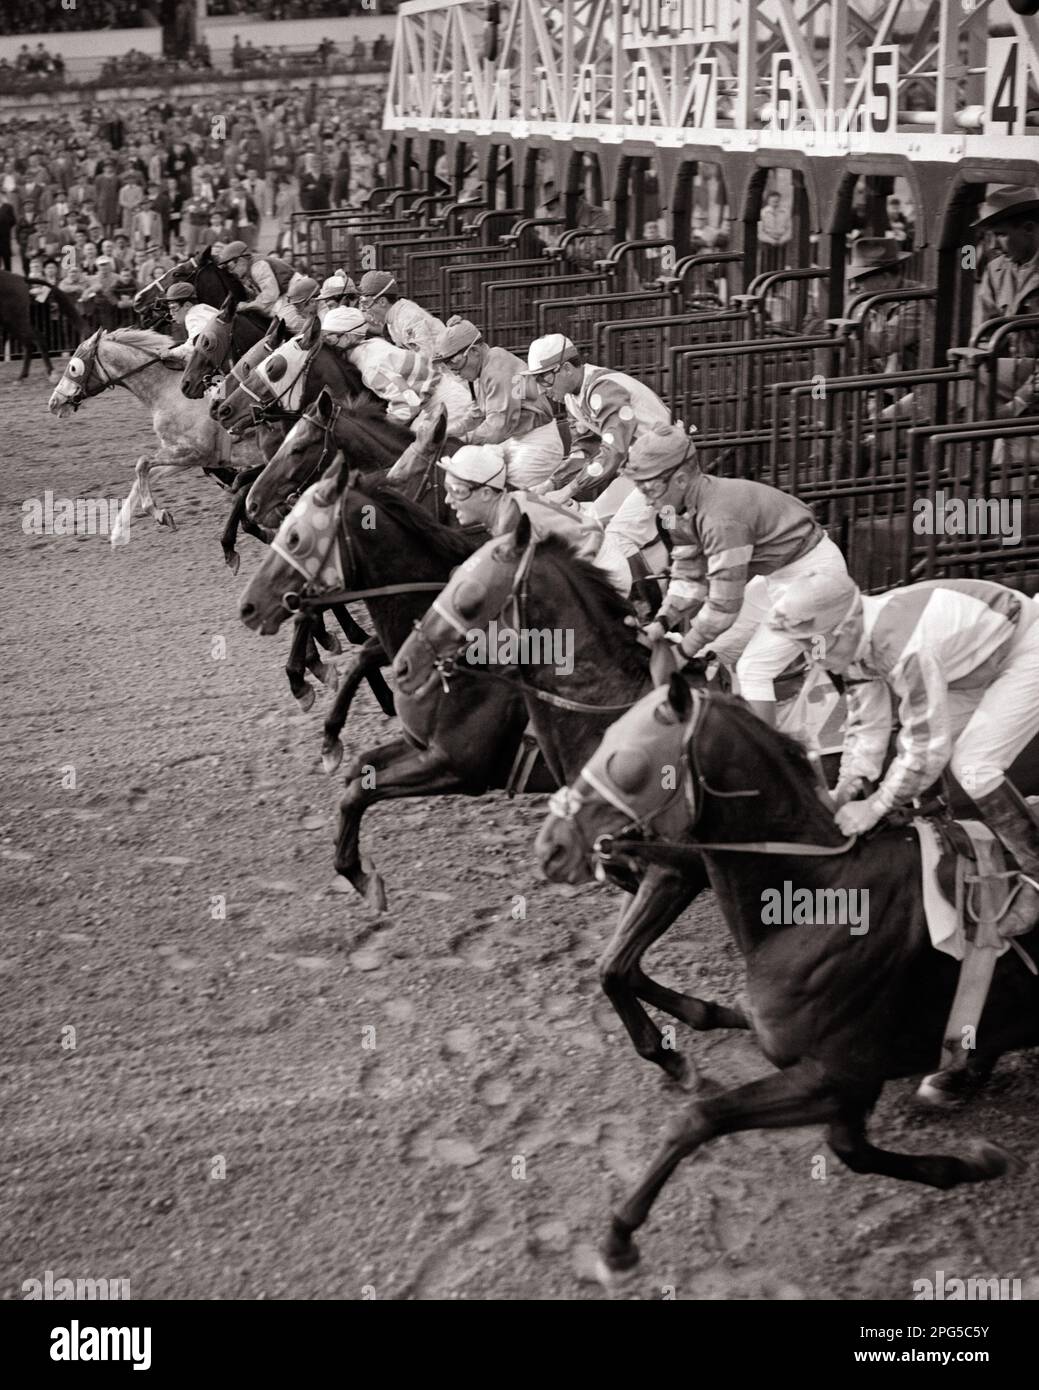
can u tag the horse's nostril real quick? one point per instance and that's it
(247, 610)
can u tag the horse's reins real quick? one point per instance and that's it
(445, 667)
(670, 851)
(94, 367)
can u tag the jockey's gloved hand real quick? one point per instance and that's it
(856, 817)
(849, 790)
(654, 631)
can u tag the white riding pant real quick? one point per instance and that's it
(531, 458)
(992, 726)
(758, 653)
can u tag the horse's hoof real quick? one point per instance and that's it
(375, 893)
(119, 538)
(165, 518)
(332, 756)
(616, 1264)
(332, 644)
(232, 560)
(943, 1090)
(984, 1159)
(305, 698)
(331, 678)
(680, 1074)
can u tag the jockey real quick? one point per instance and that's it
(406, 381)
(189, 315)
(297, 308)
(505, 407)
(961, 658)
(338, 290)
(737, 546)
(475, 487)
(402, 320)
(264, 278)
(608, 411)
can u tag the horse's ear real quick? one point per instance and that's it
(311, 335)
(205, 257)
(227, 309)
(324, 405)
(521, 535)
(679, 697)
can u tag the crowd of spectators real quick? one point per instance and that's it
(51, 16)
(134, 66)
(99, 202)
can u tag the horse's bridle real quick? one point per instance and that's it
(304, 599)
(630, 842)
(93, 367)
(327, 446)
(447, 666)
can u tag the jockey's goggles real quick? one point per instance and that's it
(542, 380)
(457, 359)
(460, 491)
(656, 487)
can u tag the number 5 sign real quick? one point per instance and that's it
(882, 97)
(1005, 88)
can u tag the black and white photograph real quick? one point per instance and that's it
(521, 669)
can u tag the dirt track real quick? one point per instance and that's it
(475, 1150)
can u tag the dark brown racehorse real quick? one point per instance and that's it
(16, 319)
(838, 1011)
(544, 588)
(351, 537)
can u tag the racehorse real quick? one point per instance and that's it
(281, 386)
(138, 359)
(524, 585)
(221, 344)
(213, 284)
(838, 1012)
(310, 445)
(347, 538)
(16, 322)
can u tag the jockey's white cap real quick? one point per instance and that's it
(550, 351)
(814, 603)
(482, 464)
(337, 285)
(344, 320)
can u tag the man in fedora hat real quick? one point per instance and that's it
(1010, 285)
(892, 333)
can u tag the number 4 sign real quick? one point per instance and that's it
(1005, 88)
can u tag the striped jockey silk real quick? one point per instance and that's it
(727, 531)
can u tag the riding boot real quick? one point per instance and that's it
(1009, 819)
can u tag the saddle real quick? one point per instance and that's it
(967, 889)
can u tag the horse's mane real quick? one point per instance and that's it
(602, 598)
(145, 338)
(799, 809)
(445, 541)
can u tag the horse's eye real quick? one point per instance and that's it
(468, 598)
(275, 368)
(629, 770)
(75, 367)
(292, 540)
